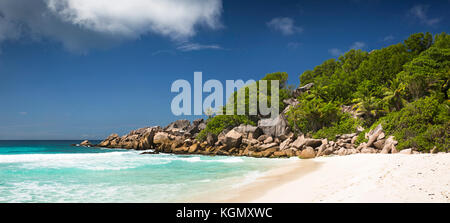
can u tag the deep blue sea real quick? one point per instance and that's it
(55, 171)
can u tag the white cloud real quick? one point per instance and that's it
(388, 38)
(23, 113)
(174, 18)
(84, 24)
(420, 12)
(358, 45)
(335, 52)
(285, 25)
(195, 46)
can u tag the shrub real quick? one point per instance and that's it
(218, 123)
(422, 124)
(312, 114)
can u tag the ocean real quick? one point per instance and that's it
(55, 171)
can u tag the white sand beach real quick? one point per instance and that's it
(355, 178)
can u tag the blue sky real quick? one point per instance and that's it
(75, 69)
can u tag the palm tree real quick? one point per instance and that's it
(393, 95)
(368, 108)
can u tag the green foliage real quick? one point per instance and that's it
(419, 42)
(404, 86)
(381, 67)
(346, 124)
(284, 93)
(428, 73)
(422, 124)
(218, 123)
(312, 114)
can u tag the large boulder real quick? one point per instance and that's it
(308, 153)
(211, 139)
(300, 90)
(379, 144)
(142, 138)
(285, 144)
(299, 142)
(249, 131)
(389, 145)
(232, 139)
(313, 142)
(161, 138)
(110, 141)
(368, 150)
(406, 151)
(86, 143)
(274, 127)
(197, 126)
(177, 126)
(373, 134)
(267, 146)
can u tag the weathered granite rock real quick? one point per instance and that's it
(274, 127)
(285, 144)
(348, 136)
(373, 134)
(313, 142)
(268, 140)
(406, 151)
(327, 151)
(308, 153)
(196, 127)
(269, 152)
(112, 139)
(233, 139)
(368, 150)
(178, 125)
(300, 90)
(262, 138)
(344, 152)
(211, 139)
(193, 148)
(86, 143)
(389, 145)
(249, 131)
(394, 150)
(299, 142)
(278, 154)
(434, 150)
(267, 146)
(379, 144)
(161, 138)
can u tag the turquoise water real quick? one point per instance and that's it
(54, 171)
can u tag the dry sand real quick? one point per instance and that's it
(354, 178)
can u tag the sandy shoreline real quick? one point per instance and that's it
(354, 178)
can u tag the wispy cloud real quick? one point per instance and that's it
(196, 46)
(358, 45)
(335, 52)
(23, 113)
(284, 25)
(388, 38)
(420, 12)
